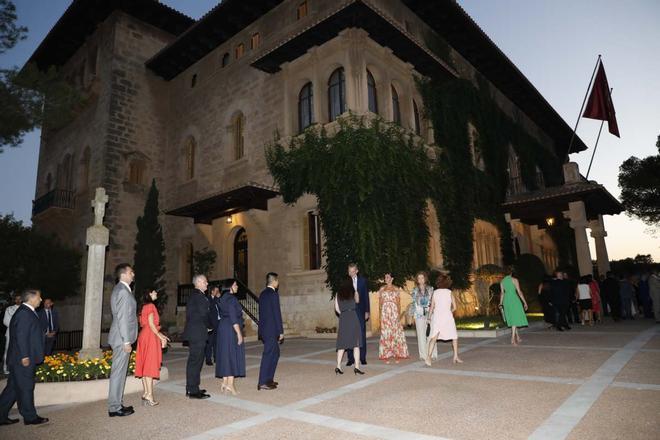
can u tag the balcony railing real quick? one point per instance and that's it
(57, 198)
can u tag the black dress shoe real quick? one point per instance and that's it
(200, 391)
(127, 408)
(8, 421)
(349, 363)
(121, 413)
(266, 387)
(273, 383)
(209, 362)
(37, 421)
(199, 395)
(363, 362)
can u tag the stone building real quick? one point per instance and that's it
(192, 104)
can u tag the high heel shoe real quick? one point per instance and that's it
(357, 371)
(223, 387)
(338, 371)
(149, 401)
(231, 390)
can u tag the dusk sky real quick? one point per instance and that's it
(555, 43)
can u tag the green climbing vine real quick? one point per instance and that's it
(372, 183)
(462, 192)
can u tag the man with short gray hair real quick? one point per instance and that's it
(196, 333)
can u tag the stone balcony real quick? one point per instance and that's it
(57, 198)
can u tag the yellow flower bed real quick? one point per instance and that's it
(63, 367)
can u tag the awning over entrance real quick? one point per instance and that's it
(534, 208)
(242, 198)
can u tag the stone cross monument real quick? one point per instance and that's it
(98, 238)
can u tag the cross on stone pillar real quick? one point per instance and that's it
(98, 238)
(598, 233)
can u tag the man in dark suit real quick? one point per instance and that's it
(362, 309)
(50, 321)
(559, 296)
(196, 333)
(611, 295)
(26, 351)
(214, 318)
(271, 332)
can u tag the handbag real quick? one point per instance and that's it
(428, 327)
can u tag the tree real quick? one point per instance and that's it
(204, 261)
(639, 180)
(31, 259)
(149, 260)
(30, 98)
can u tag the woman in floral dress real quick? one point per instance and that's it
(392, 339)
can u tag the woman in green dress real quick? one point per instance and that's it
(512, 301)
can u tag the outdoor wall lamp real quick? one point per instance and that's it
(229, 220)
(550, 221)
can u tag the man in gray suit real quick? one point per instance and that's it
(123, 333)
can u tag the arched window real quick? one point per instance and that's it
(238, 127)
(49, 182)
(255, 41)
(240, 50)
(225, 59)
(84, 169)
(396, 109)
(336, 94)
(65, 174)
(190, 149)
(305, 107)
(302, 10)
(418, 126)
(373, 96)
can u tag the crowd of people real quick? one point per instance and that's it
(214, 328)
(586, 301)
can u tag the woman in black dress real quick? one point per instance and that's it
(229, 346)
(348, 332)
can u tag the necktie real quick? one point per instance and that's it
(50, 320)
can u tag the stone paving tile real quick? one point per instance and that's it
(572, 338)
(176, 417)
(642, 368)
(289, 429)
(449, 406)
(621, 414)
(530, 361)
(654, 343)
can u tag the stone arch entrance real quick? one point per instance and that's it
(241, 256)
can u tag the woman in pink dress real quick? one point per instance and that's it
(392, 339)
(150, 344)
(443, 326)
(595, 298)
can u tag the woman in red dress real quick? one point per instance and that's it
(150, 346)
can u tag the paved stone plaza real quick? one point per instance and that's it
(598, 382)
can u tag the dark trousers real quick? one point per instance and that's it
(209, 351)
(626, 307)
(363, 342)
(562, 315)
(19, 389)
(615, 306)
(269, 359)
(573, 313)
(49, 345)
(194, 365)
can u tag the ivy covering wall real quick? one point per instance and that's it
(372, 183)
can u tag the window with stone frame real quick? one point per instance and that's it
(372, 93)
(255, 41)
(475, 148)
(190, 150)
(540, 179)
(312, 244)
(302, 10)
(238, 128)
(239, 51)
(224, 62)
(65, 173)
(396, 107)
(305, 107)
(417, 121)
(336, 94)
(516, 185)
(136, 171)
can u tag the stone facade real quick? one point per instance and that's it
(140, 127)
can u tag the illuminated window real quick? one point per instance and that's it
(239, 142)
(240, 50)
(302, 10)
(136, 172)
(190, 148)
(255, 41)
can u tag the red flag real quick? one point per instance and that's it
(600, 104)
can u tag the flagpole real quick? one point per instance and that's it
(596, 145)
(570, 145)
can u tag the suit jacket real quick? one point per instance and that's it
(43, 317)
(214, 312)
(26, 337)
(363, 292)
(270, 314)
(197, 317)
(124, 328)
(560, 291)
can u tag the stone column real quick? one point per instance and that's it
(578, 221)
(598, 233)
(97, 239)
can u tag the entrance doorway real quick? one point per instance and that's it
(241, 256)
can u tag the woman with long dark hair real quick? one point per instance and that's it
(150, 344)
(230, 349)
(348, 330)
